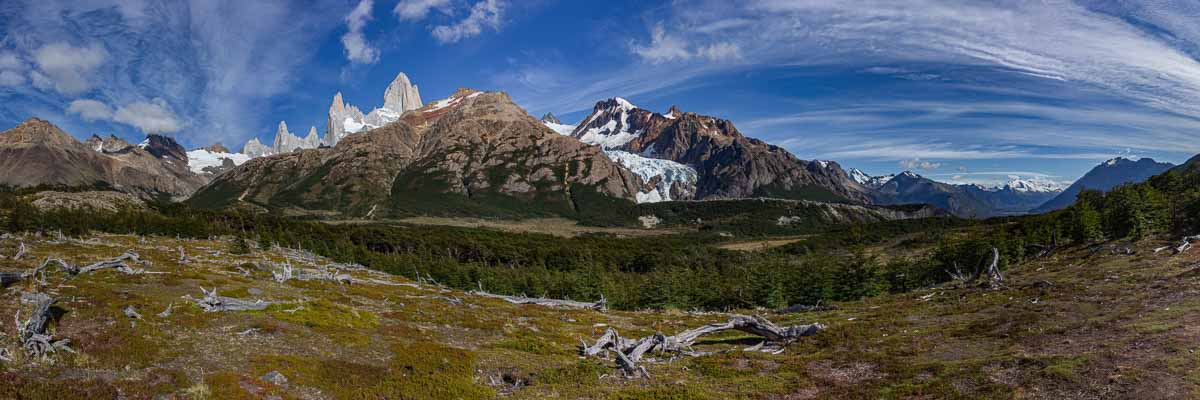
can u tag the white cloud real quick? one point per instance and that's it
(357, 48)
(154, 116)
(663, 47)
(91, 110)
(917, 163)
(415, 10)
(68, 67)
(11, 78)
(484, 14)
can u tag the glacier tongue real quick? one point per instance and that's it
(201, 159)
(660, 177)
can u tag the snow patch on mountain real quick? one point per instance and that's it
(200, 159)
(562, 129)
(667, 173)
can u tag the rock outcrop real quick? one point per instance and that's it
(401, 95)
(286, 142)
(37, 153)
(255, 149)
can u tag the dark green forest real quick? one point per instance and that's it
(666, 271)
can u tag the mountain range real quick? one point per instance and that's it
(36, 153)
(479, 153)
(964, 200)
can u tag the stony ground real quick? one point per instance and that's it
(1083, 323)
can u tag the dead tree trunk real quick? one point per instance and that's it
(630, 352)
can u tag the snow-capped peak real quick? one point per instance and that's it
(625, 104)
(867, 180)
(1118, 160)
(609, 126)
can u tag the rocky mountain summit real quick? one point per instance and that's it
(1105, 177)
(37, 153)
(343, 119)
(727, 164)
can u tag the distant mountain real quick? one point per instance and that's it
(38, 153)
(1014, 198)
(473, 153)
(910, 188)
(873, 182)
(727, 164)
(1104, 177)
(964, 200)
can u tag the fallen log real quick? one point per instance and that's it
(1187, 243)
(601, 305)
(215, 303)
(629, 352)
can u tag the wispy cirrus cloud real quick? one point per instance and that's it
(203, 71)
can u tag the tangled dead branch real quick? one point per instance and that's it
(991, 271)
(601, 305)
(118, 263)
(629, 352)
(215, 303)
(287, 272)
(32, 333)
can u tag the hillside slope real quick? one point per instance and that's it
(474, 153)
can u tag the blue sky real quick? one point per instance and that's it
(958, 91)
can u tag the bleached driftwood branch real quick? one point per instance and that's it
(991, 271)
(183, 258)
(601, 305)
(629, 352)
(118, 263)
(287, 272)
(1186, 243)
(215, 303)
(32, 333)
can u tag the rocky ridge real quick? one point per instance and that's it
(37, 153)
